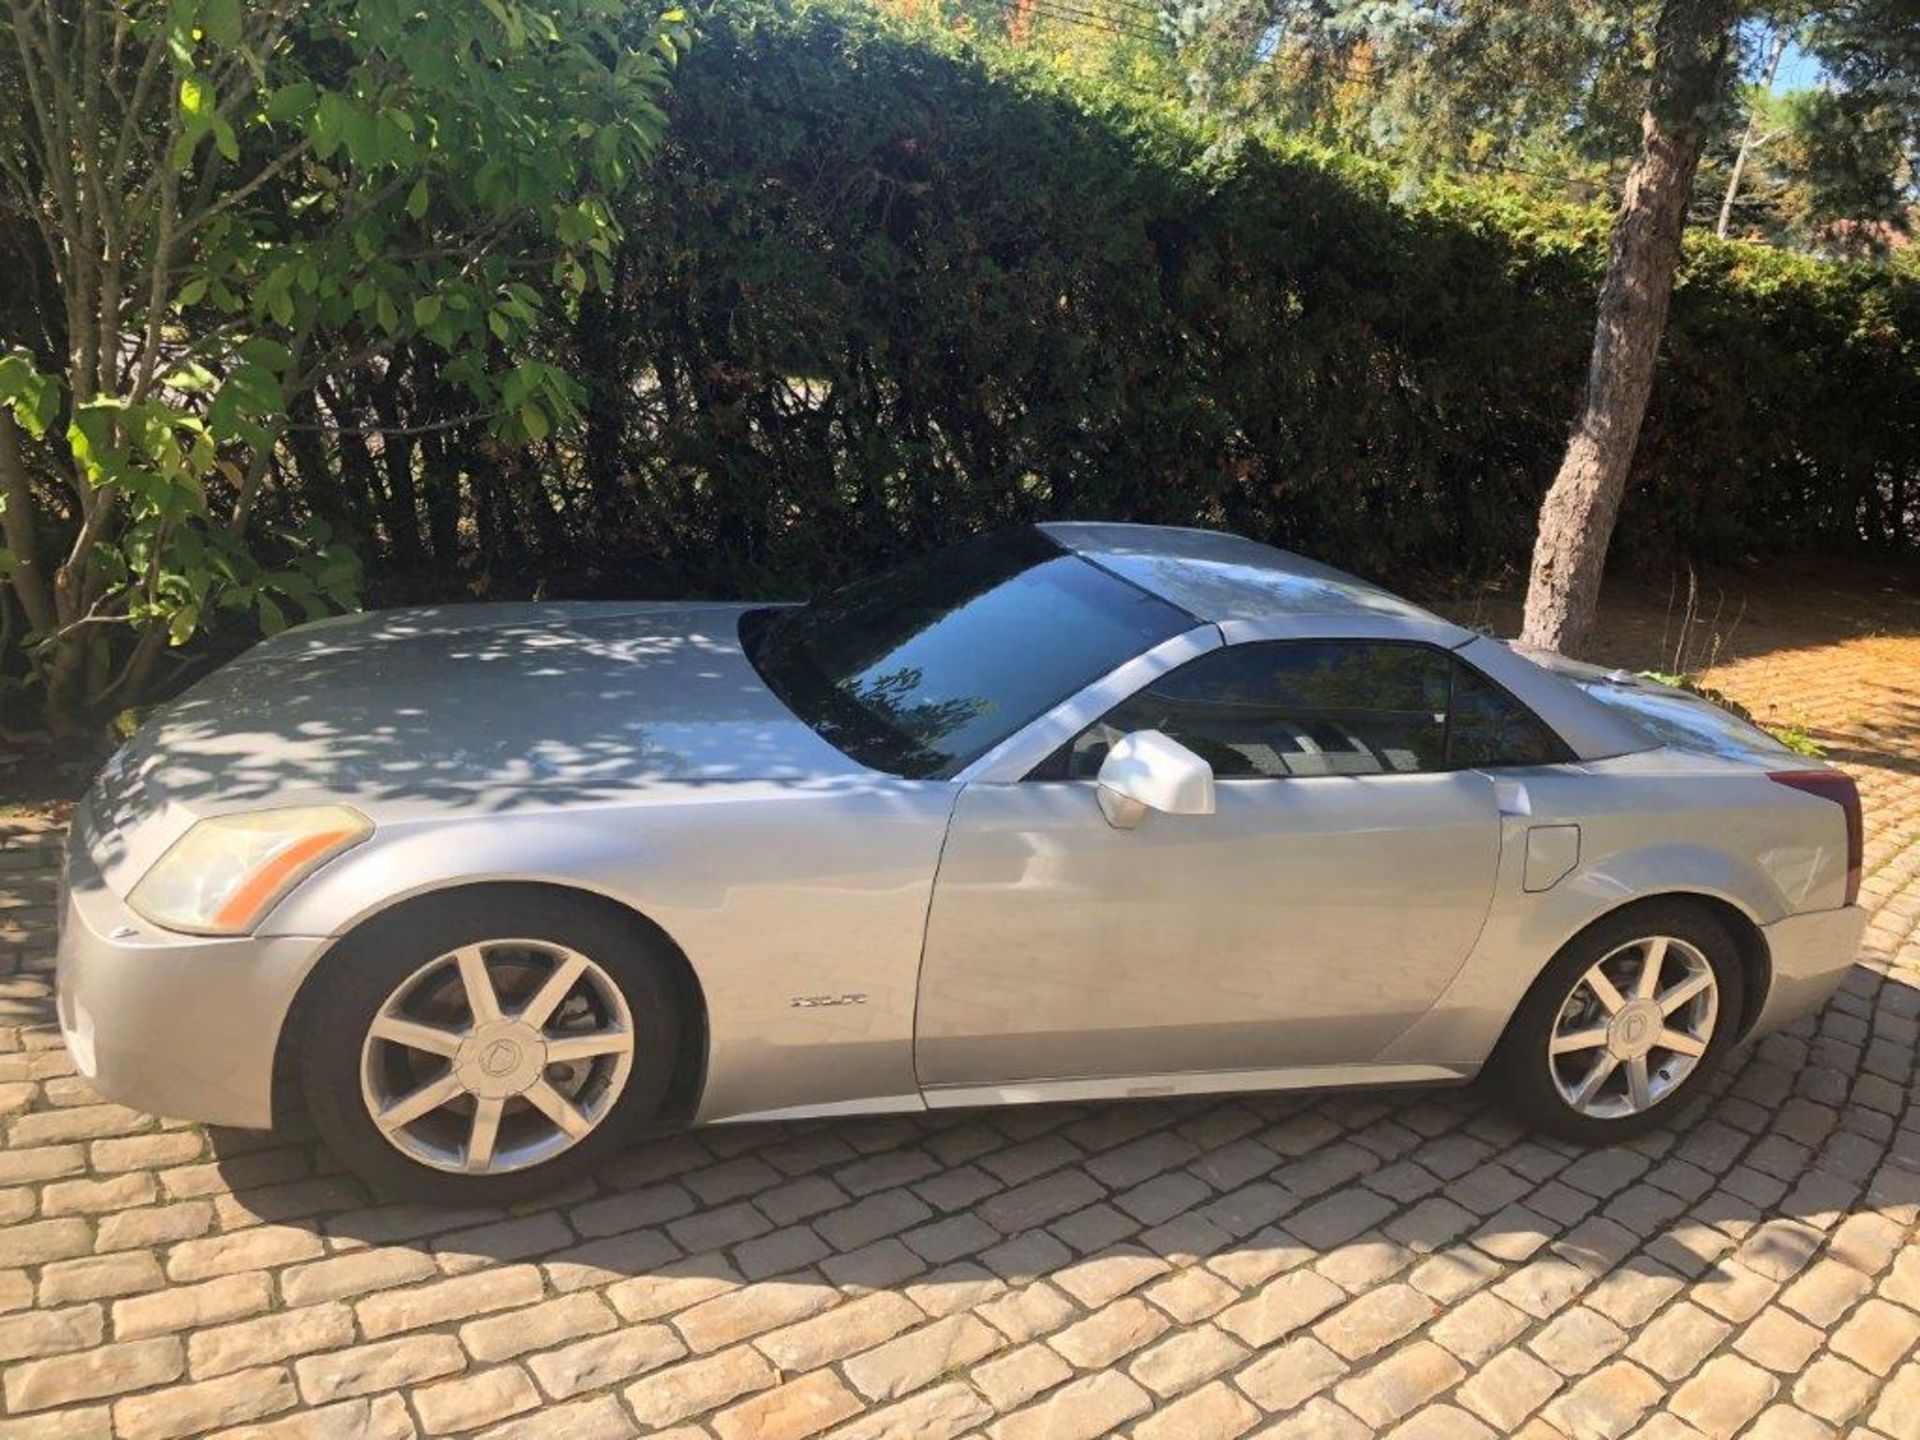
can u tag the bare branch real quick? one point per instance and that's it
(242, 192)
(136, 107)
(456, 422)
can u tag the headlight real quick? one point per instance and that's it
(225, 873)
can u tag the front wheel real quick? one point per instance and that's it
(477, 1049)
(1629, 1020)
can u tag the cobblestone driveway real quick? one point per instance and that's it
(1297, 1266)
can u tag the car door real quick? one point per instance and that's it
(1321, 909)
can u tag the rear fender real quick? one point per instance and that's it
(1525, 931)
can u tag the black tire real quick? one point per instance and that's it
(360, 973)
(1520, 1066)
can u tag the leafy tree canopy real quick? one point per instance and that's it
(1543, 96)
(233, 202)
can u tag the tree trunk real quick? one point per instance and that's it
(441, 462)
(331, 497)
(19, 532)
(598, 336)
(1576, 520)
(396, 454)
(1749, 142)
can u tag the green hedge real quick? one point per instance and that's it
(887, 290)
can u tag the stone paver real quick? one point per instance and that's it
(1407, 1263)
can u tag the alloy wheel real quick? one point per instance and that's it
(496, 1056)
(1633, 1027)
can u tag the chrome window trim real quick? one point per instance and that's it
(1013, 757)
(1585, 726)
(1555, 702)
(1290, 630)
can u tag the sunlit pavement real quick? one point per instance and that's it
(1334, 1265)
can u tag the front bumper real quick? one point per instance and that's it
(1810, 956)
(180, 1025)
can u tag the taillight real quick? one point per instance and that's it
(1839, 788)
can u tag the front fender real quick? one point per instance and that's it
(774, 892)
(412, 858)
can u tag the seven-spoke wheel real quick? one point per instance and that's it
(1633, 1028)
(1625, 1022)
(476, 1047)
(496, 1056)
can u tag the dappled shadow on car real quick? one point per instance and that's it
(482, 709)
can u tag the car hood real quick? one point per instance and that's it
(402, 710)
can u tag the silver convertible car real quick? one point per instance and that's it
(1066, 812)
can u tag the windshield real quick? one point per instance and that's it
(922, 669)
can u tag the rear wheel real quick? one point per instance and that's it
(1625, 1023)
(480, 1048)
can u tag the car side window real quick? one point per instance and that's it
(1488, 728)
(1322, 707)
(1264, 711)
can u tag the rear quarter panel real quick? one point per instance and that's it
(1655, 823)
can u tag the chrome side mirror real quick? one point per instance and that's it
(1149, 771)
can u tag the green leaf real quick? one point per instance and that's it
(426, 310)
(90, 439)
(534, 421)
(34, 398)
(196, 100)
(290, 101)
(328, 124)
(267, 353)
(417, 199)
(224, 138)
(190, 378)
(182, 624)
(362, 135)
(272, 618)
(257, 387)
(249, 397)
(223, 22)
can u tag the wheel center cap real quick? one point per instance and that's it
(501, 1059)
(1634, 1030)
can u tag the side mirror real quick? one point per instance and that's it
(1149, 771)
